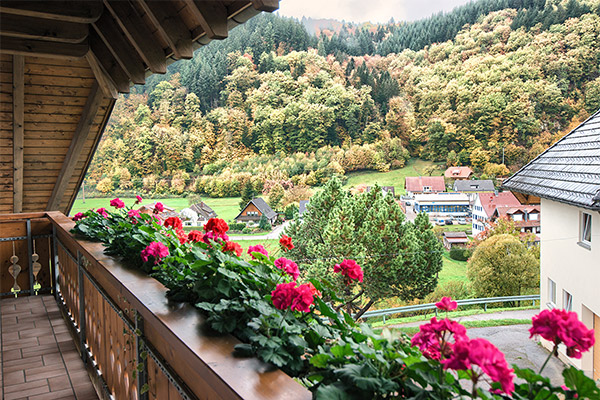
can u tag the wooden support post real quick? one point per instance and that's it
(18, 130)
(81, 135)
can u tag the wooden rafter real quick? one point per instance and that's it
(18, 130)
(102, 77)
(212, 17)
(109, 63)
(42, 48)
(42, 29)
(70, 11)
(80, 137)
(266, 5)
(139, 35)
(171, 27)
(124, 53)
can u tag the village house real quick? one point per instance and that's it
(197, 214)
(255, 210)
(526, 218)
(424, 184)
(566, 177)
(442, 204)
(472, 187)
(164, 214)
(458, 173)
(455, 239)
(484, 206)
(385, 190)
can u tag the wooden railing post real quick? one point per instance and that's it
(30, 254)
(80, 279)
(54, 262)
(142, 373)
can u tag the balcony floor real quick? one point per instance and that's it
(39, 359)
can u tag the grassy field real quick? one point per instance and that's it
(226, 208)
(472, 324)
(414, 167)
(452, 270)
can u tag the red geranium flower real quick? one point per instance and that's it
(216, 225)
(117, 203)
(195, 236)
(232, 247)
(286, 242)
(283, 295)
(290, 267)
(303, 298)
(158, 207)
(350, 269)
(314, 290)
(257, 249)
(434, 338)
(446, 304)
(102, 211)
(175, 222)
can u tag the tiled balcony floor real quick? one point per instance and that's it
(39, 359)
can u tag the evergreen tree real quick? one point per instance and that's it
(247, 194)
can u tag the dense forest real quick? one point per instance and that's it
(272, 106)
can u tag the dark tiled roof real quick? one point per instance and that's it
(455, 235)
(484, 185)
(262, 206)
(568, 171)
(203, 209)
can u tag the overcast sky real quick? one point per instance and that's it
(366, 10)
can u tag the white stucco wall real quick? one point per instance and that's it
(572, 267)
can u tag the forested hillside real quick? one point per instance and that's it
(273, 105)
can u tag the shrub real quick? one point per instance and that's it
(237, 226)
(460, 254)
(455, 289)
(246, 230)
(264, 224)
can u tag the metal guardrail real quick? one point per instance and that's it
(467, 302)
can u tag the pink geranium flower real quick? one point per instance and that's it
(303, 298)
(290, 267)
(483, 354)
(159, 207)
(257, 249)
(78, 216)
(287, 295)
(156, 250)
(117, 203)
(349, 269)
(138, 199)
(560, 326)
(446, 304)
(133, 214)
(436, 339)
(102, 211)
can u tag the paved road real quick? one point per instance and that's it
(274, 234)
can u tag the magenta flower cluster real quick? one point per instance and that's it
(156, 250)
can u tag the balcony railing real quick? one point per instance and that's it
(135, 343)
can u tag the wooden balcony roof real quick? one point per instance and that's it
(62, 65)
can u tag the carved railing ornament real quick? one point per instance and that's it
(14, 270)
(36, 268)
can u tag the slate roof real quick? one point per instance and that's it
(262, 206)
(484, 185)
(416, 183)
(568, 171)
(455, 235)
(458, 172)
(203, 209)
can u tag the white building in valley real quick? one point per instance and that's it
(567, 179)
(484, 206)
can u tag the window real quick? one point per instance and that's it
(427, 188)
(585, 230)
(517, 217)
(252, 213)
(551, 291)
(567, 301)
(533, 216)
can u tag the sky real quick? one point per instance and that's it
(366, 10)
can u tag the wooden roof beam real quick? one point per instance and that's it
(42, 29)
(80, 137)
(124, 53)
(108, 63)
(83, 12)
(266, 5)
(139, 35)
(212, 17)
(171, 27)
(42, 48)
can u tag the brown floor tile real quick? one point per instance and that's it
(8, 355)
(20, 387)
(13, 378)
(59, 383)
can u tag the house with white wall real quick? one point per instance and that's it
(566, 177)
(485, 205)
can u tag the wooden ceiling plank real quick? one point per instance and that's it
(109, 63)
(212, 17)
(81, 135)
(139, 35)
(125, 54)
(83, 12)
(164, 15)
(40, 48)
(266, 5)
(42, 29)
(18, 130)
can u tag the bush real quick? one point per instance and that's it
(237, 226)
(246, 230)
(264, 224)
(459, 254)
(454, 289)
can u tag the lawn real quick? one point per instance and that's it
(414, 167)
(452, 270)
(226, 208)
(471, 324)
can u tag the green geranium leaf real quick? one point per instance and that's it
(332, 392)
(577, 380)
(320, 360)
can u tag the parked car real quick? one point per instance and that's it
(449, 221)
(462, 221)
